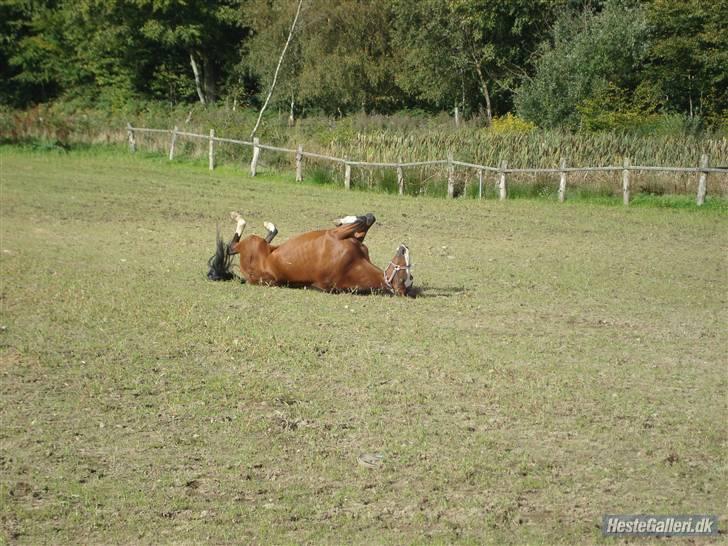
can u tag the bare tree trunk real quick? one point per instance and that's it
(208, 72)
(291, 118)
(462, 101)
(198, 83)
(278, 68)
(486, 94)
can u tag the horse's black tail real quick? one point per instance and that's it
(219, 263)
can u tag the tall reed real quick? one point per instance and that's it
(398, 138)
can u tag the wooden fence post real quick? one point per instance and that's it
(450, 176)
(132, 140)
(299, 163)
(211, 154)
(174, 141)
(256, 153)
(347, 176)
(702, 181)
(400, 178)
(625, 181)
(562, 181)
(502, 183)
(480, 183)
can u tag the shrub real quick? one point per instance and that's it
(510, 124)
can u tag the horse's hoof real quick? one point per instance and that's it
(235, 216)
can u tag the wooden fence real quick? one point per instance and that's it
(502, 170)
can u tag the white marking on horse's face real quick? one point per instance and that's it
(269, 226)
(241, 226)
(404, 252)
(348, 220)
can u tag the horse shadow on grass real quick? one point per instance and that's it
(427, 291)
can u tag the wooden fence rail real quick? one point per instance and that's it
(502, 171)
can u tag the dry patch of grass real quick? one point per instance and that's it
(565, 361)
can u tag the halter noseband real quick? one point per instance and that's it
(395, 269)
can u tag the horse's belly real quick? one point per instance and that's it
(309, 264)
(300, 274)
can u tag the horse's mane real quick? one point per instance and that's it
(219, 263)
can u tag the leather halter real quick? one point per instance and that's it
(395, 269)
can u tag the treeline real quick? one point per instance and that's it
(594, 64)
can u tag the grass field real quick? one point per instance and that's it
(564, 361)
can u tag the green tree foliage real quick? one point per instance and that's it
(469, 51)
(589, 52)
(688, 54)
(269, 24)
(117, 50)
(15, 18)
(200, 33)
(431, 53)
(594, 64)
(341, 58)
(616, 66)
(37, 60)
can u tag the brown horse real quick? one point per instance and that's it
(332, 260)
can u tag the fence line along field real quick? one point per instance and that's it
(451, 163)
(563, 362)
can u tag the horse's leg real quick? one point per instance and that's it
(240, 221)
(271, 230)
(353, 226)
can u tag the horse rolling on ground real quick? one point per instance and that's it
(332, 260)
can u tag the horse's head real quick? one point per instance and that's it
(397, 275)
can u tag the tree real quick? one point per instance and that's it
(688, 56)
(588, 52)
(15, 22)
(116, 50)
(38, 61)
(278, 68)
(468, 48)
(432, 58)
(341, 59)
(206, 31)
(559, 62)
(270, 24)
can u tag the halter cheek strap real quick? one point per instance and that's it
(395, 269)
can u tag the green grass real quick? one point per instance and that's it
(564, 361)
